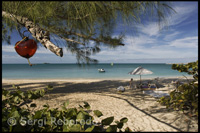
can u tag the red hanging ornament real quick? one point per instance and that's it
(26, 48)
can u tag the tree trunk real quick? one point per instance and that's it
(36, 31)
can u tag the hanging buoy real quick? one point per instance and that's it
(26, 48)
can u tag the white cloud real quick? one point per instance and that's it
(171, 36)
(8, 48)
(183, 13)
(9, 56)
(42, 50)
(187, 42)
(151, 29)
(146, 47)
(140, 40)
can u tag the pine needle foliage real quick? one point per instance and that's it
(89, 24)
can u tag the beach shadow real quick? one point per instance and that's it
(104, 87)
(146, 113)
(69, 87)
(62, 88)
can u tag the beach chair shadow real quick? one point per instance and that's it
(158, 82)
(146, 86)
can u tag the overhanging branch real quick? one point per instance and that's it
(37, 32)
(73, 41)
(91, 38)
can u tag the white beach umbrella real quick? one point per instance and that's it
(140, 71)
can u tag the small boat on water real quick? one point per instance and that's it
(101, 70)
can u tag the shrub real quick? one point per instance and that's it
(16, 117)
(185, 97)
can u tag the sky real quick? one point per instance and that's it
(176, 43)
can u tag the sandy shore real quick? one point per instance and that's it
(143, 111)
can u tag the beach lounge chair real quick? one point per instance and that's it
(152, 86)
(120, 89)
(147, 86)
(158, 82)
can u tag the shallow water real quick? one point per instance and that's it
(74, 71)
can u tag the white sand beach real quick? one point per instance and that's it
(143, 111)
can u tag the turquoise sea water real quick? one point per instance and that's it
(73, 71)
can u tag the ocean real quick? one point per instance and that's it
(74, 71)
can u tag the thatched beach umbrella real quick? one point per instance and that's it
(140, 71)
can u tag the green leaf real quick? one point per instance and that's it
(195, 104)
(97, 129)
(87, 106)
(107, 121)
(49, 87)
(63, 108)
(46, 106)
(5, 92)
(29, 96)
(33, 105)
(90, 129)
(36, 92)
(66, 103)
(80, 116)
(48, 114)
(24, 112)
(75, 128)
(120, 125)
(80, 106)
(3, 97)
(4, 119)
(124, 120)
(16, 87)
(58, 114)
(42, 92)
(71, 112)
(16, 99)
(116, 122)
(4, 129)
(127, 129)
(97, 113)
(15, 114)
(65, 128)
(22, 94)
(112, 128)
(38, 114)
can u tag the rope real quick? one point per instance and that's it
(29, 62)
(20, 41)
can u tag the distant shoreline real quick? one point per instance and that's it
(176, 63)
(86, 64)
